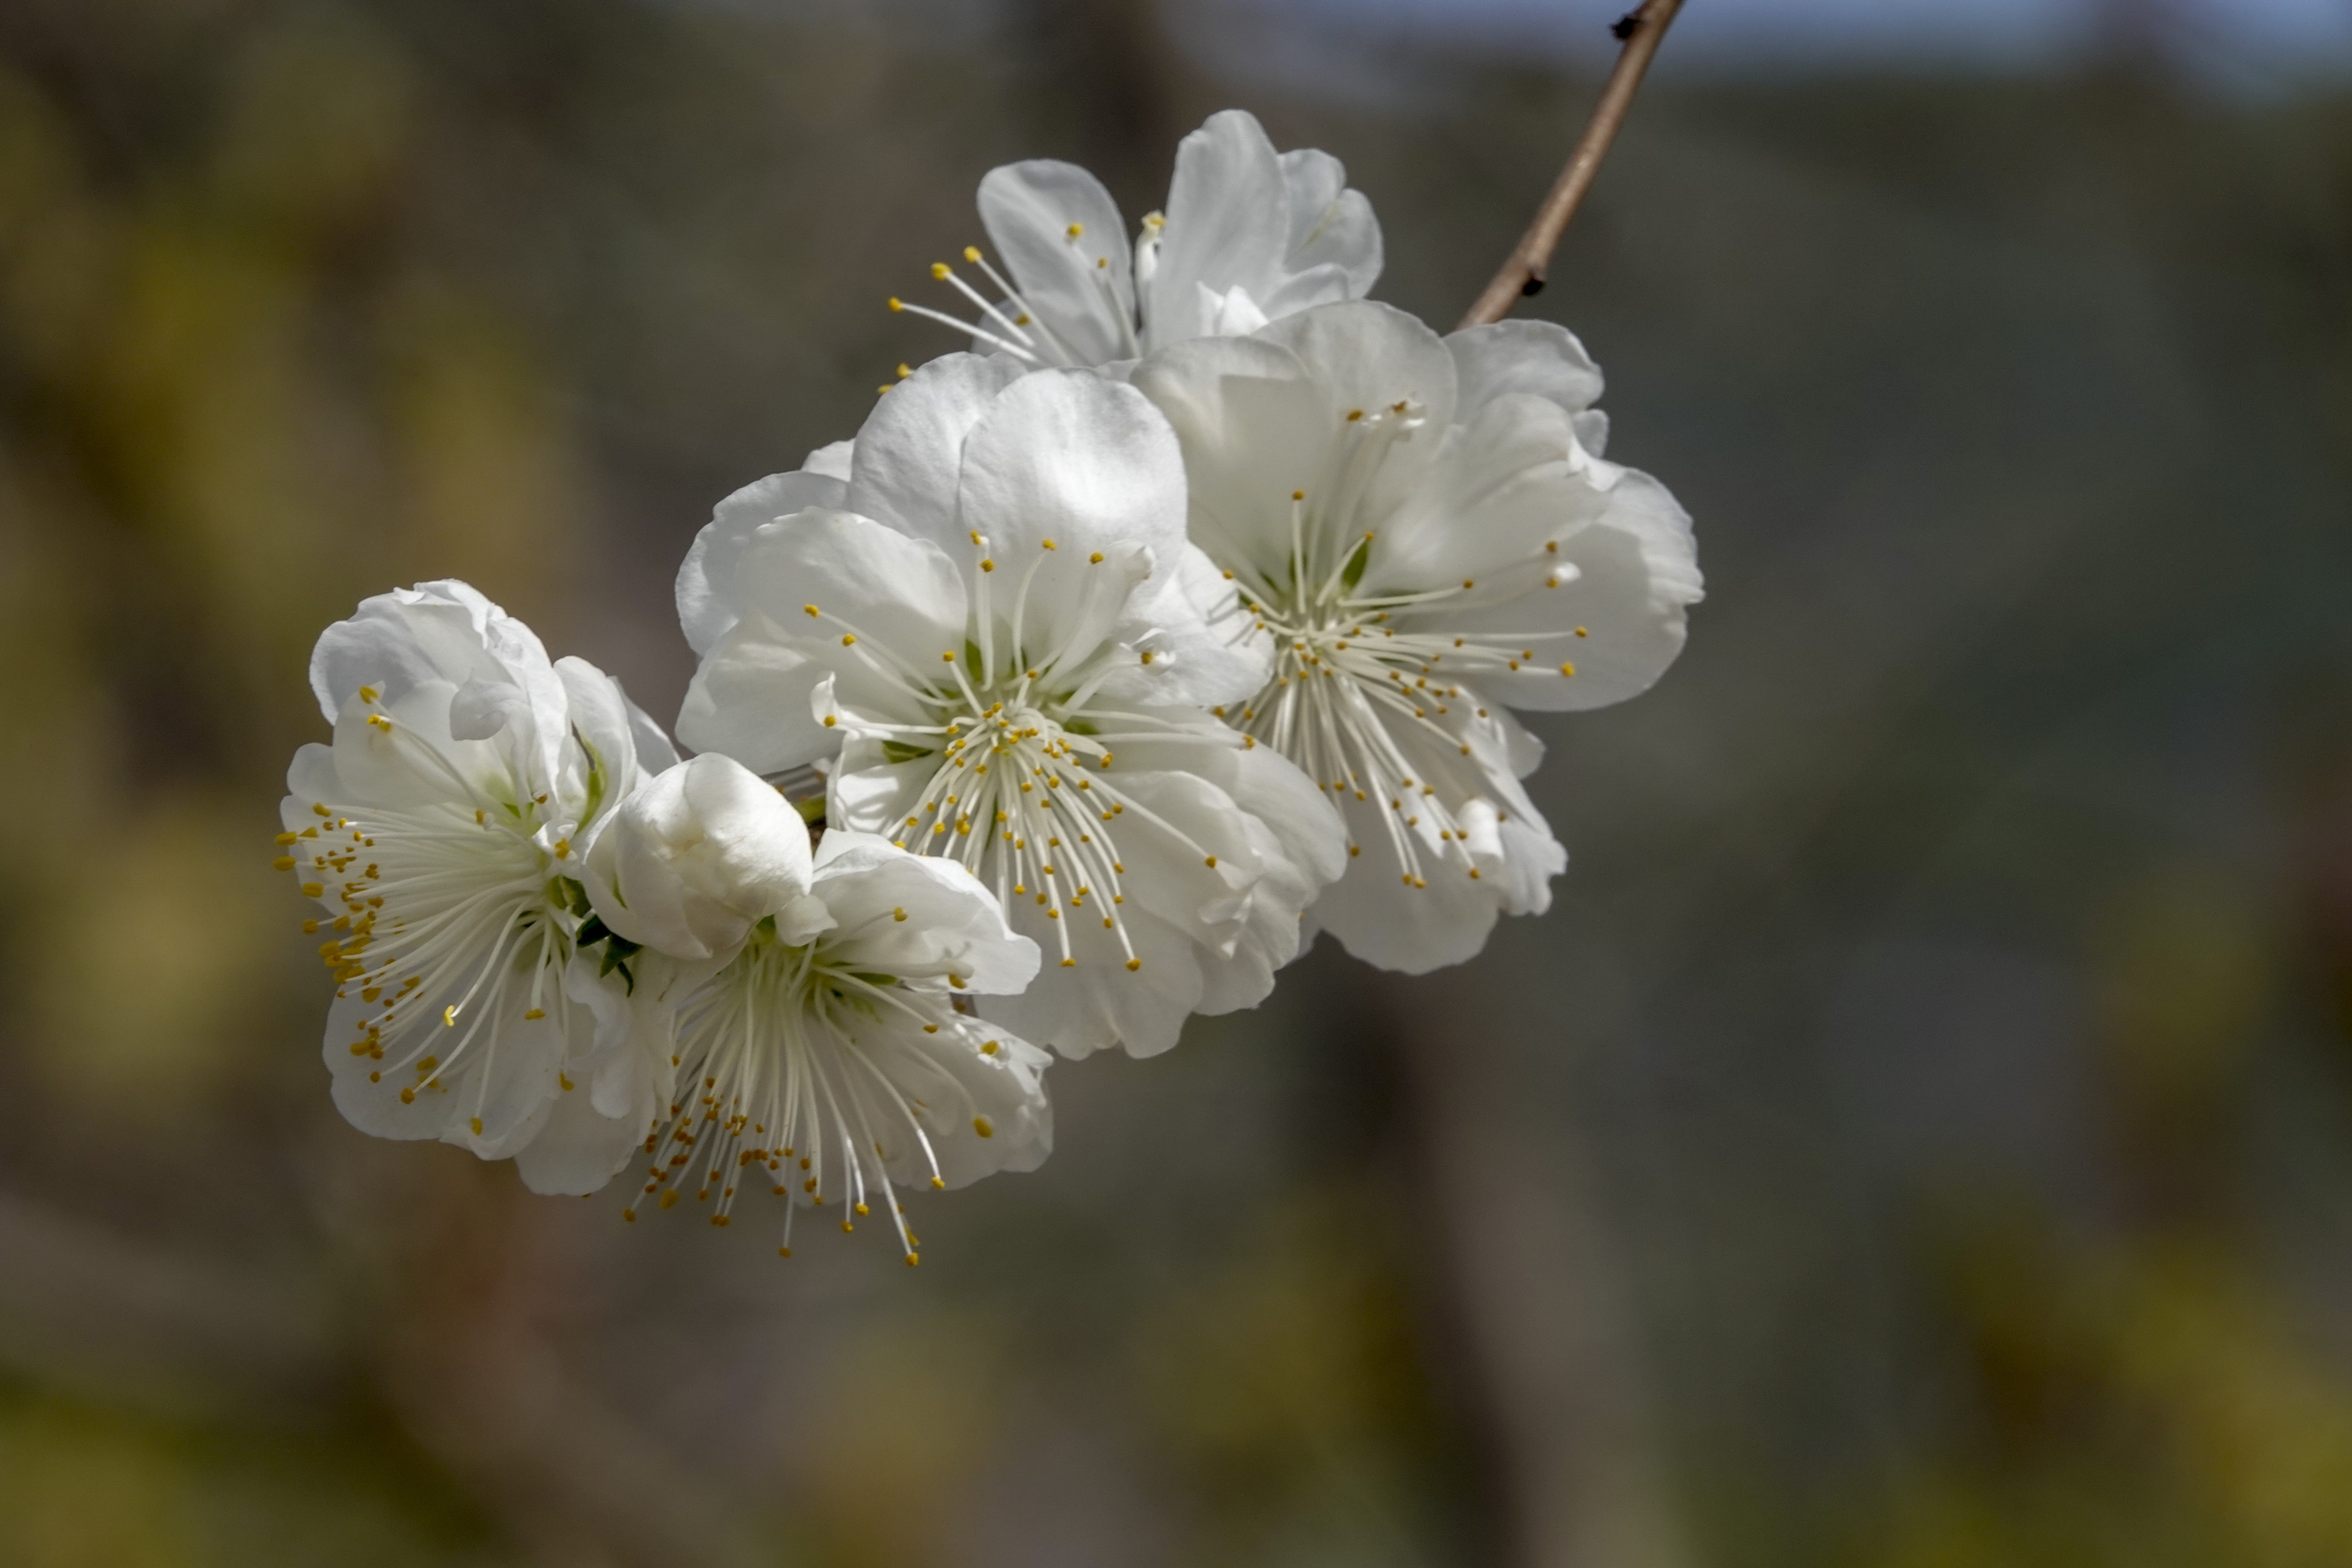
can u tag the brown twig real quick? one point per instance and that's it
(1522, 273)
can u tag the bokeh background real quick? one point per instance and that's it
(1919, 1136)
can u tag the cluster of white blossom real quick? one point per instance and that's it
(1183, 617)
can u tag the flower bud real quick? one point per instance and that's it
(699, 856)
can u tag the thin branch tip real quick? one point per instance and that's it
(1521, 276)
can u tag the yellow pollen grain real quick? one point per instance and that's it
(980, 1124)
(1133, 965)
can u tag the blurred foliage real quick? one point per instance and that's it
(1919, 1139)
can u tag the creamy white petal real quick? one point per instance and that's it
(1619, 622)
(1228, 223)
(1061, 235)
(706, 604)
(917, 918)
(1331, 226)
(1505, 357)
(910, 453)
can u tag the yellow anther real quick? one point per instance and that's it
(535, 1014)
(1469, 582)
(828, 721)
(940, 270)
(286, 838)
(897, 914)
(848, 637)
(1354, 414)
(1095, 559)
(980, 1124)
(283, 863)
(449, 1016)
(477, 1126)
(972, 253)
(895, 304)
(987, 565)
(1568, 669)
(1582, 632)
(367, 693)
(1212, 862)
(312, 889)
(1076, 229)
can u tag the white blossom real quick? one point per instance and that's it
(997, 624)
(1428, 533)
(1249, 236)
(822, 1057)
(443, 832)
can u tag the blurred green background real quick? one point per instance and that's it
(1920, 1136)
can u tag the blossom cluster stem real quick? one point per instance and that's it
(1522, 272)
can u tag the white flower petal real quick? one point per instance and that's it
(1253, 428)
(577, 1149)
(750, 698)
(1502, 487)
(910, 453)
(917, 918)
(706, 604)
(1065, 455)
(1228, 223)
(1371, 356)
(1331, 226)
(833, 460)
(1625, 612)
(1505, 357)
(1079, 284)
(1097, 1001)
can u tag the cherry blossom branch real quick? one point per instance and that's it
(1522, 272)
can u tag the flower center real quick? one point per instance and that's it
(1022, 794)
(782, 1044)
(1363, 686)
(452, 900)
